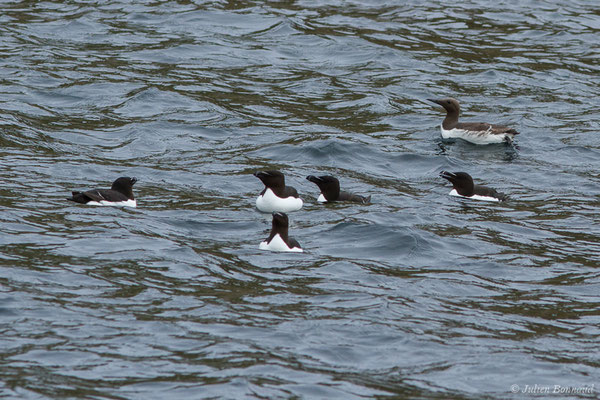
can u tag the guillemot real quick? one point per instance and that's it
(276, 196)
(474, 132)
(463, 186)
(279, 240)
(120, 194)
(330, 190)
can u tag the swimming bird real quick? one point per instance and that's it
(330, 190)
(276, 196)
(463, 186)
(120, 194)
(474, 132)
(279, 240)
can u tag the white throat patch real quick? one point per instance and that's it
(277, 244)
(269, 202)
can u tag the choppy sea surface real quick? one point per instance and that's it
(417, 295)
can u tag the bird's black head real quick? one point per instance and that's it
(329, 185)
(461, 181)
(325, 181)
(280, 221)
(271, 179)
(124, 185)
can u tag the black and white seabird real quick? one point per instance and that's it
(120, 194)
(474, 132)
(276, 196)
(464, 187)
(279, 240)
(330, 190)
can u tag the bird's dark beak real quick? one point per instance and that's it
(448, 175)
(436, 101)
(313, 178)
(133, 181)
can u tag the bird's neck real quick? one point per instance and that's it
(451, 120)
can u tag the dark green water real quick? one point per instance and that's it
(418, 295)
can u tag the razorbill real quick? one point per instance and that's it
(330, 190)
(120, 194)
(463, 186)
(276, 196)
(278, 240)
